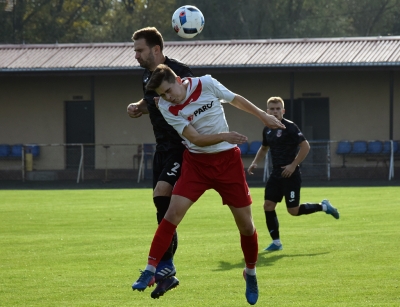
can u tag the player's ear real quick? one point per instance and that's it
(157, 49)
(178, 79)
(283, 111)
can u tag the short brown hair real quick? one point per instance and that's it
(151, 36)
(160, 74)
(276, 100)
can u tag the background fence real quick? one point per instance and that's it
(327, 160)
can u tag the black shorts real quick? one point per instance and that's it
(278, 186)
(167, 166)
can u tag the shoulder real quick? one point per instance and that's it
(208, 80)
(205, 81)
(207, 77)
(286, 121)
(163, 103)
(292, 128)
(178, 67)
(289, 123)
(163, 106)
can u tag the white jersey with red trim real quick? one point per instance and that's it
(202, 108)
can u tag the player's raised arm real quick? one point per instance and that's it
(243, 104)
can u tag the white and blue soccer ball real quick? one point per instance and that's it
(188, 21)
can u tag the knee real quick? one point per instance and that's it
(293, 211)
(269, 205)
(172, 215)
(245, 226)
(162, 188)
(161, 203)
(247, 230)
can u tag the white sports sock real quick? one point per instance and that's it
(250, 271)
(277, 242)
(150, 268)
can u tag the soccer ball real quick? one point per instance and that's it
(188, 21)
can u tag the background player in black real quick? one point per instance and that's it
(288, 149)
(148, 44)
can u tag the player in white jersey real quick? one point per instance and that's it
(202, 110)
(193, 107)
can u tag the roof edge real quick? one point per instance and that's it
(130, 68)
(206, 42)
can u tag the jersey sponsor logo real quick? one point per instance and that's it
(269, 131)
(174, 109)
(203, 108)
(278, 133)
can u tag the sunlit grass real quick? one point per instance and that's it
(85, 248)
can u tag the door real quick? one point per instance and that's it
(312, 117)
(79, 119)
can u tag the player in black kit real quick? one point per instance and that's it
(148, 44)
(288, 149)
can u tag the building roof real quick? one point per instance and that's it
(270, 53)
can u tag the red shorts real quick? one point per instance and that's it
(223, 172)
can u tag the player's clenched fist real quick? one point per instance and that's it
(137, 109)
(133, 110)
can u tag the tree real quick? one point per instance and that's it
(264, 19)
(373, 17)
(51, 21)
(124, 20)
(79, 21)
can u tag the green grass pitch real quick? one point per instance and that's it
(85, 248)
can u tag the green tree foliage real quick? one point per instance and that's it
(264, 19)
(50, 21)
(78, 21)
(373, 17)
(130, 15)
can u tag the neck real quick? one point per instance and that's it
(159, 60)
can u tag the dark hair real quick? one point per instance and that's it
(151, 35)
(160, 74)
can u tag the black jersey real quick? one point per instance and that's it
(166, 136)
(283, 143)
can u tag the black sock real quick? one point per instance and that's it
(162, 204)
(308, 208)
(174, 243)
(272, 224)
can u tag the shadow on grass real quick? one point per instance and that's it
(264, 259)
